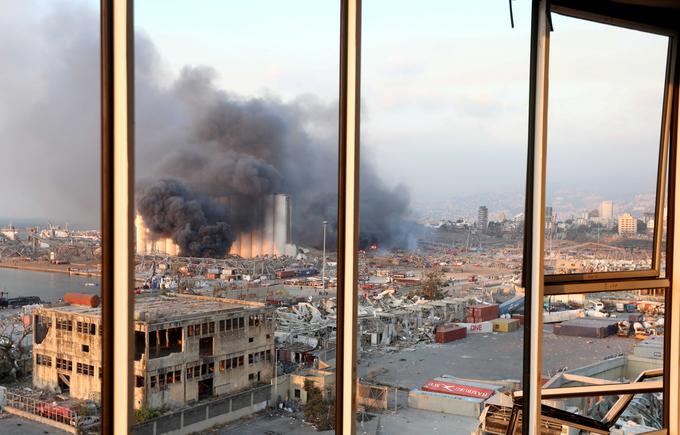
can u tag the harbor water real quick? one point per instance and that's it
(48, 286)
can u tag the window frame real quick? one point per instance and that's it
(117, 202)
(573, 9)
(536, 283)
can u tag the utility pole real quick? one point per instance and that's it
(323, 267)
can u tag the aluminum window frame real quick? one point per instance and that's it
(536, 283)
(577, 10)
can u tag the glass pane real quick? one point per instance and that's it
(443, 163)
(606, 99)
(641, 413)
(611, 337)
(236, 227)
(50, 242)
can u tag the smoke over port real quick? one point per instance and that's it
(207, 159)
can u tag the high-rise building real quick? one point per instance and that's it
(607, 209)
(627, 225)
(483, 218)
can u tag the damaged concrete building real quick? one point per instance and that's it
(187, 348)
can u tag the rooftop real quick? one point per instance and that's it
(169, 307)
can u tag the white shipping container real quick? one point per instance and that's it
(478, 328)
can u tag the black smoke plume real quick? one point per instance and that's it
(226, 152)
(195, 224)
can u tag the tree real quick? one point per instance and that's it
(431, 287)
(318, 411)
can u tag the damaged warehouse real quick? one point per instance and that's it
(187, 348)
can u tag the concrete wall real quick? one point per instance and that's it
(208, 414)
(446, 403)
(321, 379)
(68, 345)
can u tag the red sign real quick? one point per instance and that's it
(456, 389)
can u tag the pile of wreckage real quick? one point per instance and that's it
(387, 320)
(306, 322)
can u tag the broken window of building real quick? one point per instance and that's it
(42, 328)
(205, 346)
(139, 381)
(64, 324)
(64, 364)
(140, 344)
(163, 342)
(43, 360)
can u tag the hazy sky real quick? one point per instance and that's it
(444, 97)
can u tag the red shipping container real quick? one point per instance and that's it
(449, 332)
(484, 313)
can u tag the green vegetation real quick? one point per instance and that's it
(143, 414)
(318, 411)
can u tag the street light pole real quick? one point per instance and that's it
(323, 267)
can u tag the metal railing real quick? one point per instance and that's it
(41, 408)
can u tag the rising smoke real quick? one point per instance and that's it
(205, 157)
(222, 153)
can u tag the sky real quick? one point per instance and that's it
(444, 93)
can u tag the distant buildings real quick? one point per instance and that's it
(482, 218)
(627, 225)
(606, 210)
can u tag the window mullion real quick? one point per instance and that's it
(535, 218)
(348, 214)
(672, 339)
(118, 267)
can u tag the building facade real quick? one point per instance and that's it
(187, 348)
(483, 218)
(627, 225)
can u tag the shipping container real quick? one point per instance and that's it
(85, 300)
(483, 313)
(448, 332)
(283, 274)
(505, 325)
(587, 327)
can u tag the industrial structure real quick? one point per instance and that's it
(270, 237)
(187, 348)
(273, 235)
(147, 242)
